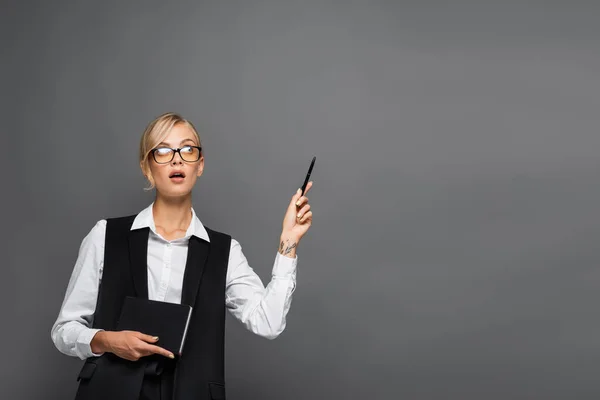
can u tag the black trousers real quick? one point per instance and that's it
(158, 380)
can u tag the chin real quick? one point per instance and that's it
(175, 192)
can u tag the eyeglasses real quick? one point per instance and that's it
(164, 155)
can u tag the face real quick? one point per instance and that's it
(176, 178)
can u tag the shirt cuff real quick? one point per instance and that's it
(84, 348)
(284, 267)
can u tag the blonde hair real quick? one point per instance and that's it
(156, 132)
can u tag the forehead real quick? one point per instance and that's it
(179, 133)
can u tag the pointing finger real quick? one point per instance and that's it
(152, 349)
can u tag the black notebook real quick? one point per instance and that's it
(168, 321)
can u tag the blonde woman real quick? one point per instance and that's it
(165, 253)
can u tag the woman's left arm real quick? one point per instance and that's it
(261, 309)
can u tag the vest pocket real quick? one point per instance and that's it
(217, 390)
(87, 370)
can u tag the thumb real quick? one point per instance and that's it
(147, 338)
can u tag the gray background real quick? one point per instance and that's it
(454, 248)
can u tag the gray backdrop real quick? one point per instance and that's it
(454, 248)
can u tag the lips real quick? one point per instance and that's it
(177, 174)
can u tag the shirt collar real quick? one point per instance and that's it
(145, 219)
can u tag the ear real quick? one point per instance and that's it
(147, 172)
(200, 169)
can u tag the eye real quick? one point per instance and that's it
(187, 149)
(162, 151)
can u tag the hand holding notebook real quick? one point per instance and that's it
(168, 321)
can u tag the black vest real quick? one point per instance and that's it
(199, 372)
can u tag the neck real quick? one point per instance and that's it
(172, 214)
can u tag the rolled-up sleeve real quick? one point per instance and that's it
(262, 310)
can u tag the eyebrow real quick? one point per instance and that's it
(180, 143)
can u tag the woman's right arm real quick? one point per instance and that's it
(72, 332)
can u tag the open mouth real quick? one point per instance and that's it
(177, 175)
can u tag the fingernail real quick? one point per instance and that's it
(171, 356)
(299, 215)
(298, 191)
(155, 338)
(298, 203)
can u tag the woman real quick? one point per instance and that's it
(165, 253)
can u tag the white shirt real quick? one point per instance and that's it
(262, 310)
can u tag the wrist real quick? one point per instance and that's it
(99, 343)
(288, 243)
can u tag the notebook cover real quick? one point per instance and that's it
(168, 321)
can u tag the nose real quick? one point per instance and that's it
(177, 159)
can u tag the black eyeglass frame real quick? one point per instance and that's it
(173, 151)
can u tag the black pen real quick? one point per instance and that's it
(312, 163)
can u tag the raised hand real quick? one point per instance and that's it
(296, 222)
